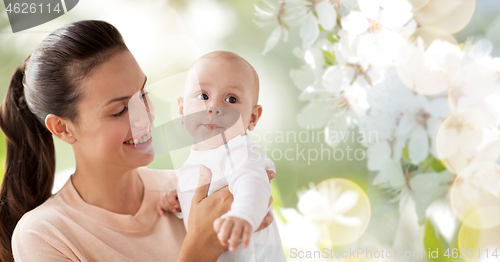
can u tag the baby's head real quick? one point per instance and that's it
(220, 95)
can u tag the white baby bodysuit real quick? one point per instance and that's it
(242, 166)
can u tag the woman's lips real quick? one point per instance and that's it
(139, 135)
(145, 147)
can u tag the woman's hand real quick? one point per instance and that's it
(201, 242)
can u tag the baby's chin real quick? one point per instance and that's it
(210, 142)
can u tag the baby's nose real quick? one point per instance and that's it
(216, 111)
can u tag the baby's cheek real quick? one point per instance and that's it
(237, 129)
(194, 105)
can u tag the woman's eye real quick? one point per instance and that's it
(143, 96)
(231, 99)
(202, 96)
(121, 113)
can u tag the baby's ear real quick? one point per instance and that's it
(180, 102)
(254, 118)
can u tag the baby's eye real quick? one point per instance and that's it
(231, 99)
(202, 96)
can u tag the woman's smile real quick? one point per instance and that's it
(142, 144)
(141, 139)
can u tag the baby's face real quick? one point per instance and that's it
(220, 96)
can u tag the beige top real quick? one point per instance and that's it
(66, 228)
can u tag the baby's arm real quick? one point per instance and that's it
(167, 182)
(251, 190)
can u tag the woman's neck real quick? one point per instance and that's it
(119, 191)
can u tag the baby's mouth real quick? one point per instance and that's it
(211, 126)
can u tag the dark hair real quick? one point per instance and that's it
(45, 83)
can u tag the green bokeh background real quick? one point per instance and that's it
(248, 40)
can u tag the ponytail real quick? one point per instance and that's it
(30, 163)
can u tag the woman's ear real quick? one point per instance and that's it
(254, 118)
(60, 127)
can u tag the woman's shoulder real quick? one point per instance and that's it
(39, 229)
(40, 218)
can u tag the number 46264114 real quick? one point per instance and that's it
(471, 253)
(31, 8)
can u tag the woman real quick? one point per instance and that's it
(76, 86)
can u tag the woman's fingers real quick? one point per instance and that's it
(268, 219)
(271, 175)
(203, 184)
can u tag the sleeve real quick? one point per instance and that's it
(249, 184)
(28, 245)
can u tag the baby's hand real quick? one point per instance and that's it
(169, 202)
(233, 229)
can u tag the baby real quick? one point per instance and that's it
(218, 106)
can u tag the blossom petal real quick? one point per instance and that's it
(327, 15)
(346, 201)
(333, 78)
(418, 146)
(391, 173)
(347, 221)
(447, 142)
(298, 232)
(316, 114)
(370, 8)
(309, 31)
(480, 50)
(439, 107)
(378, 154)
(273, 39)
(336, 131)
(433, 125)
(406, 124)
(395, 13)
(309, 201)
(355, 23)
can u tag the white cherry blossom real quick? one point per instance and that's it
(430, 71)
(281, 14)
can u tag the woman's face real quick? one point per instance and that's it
(104, 126)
